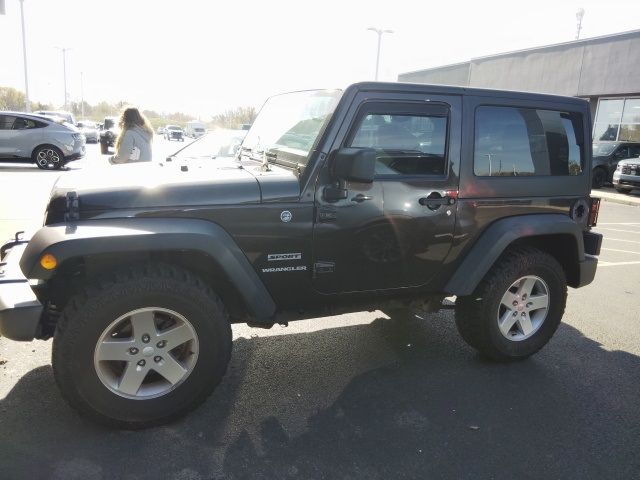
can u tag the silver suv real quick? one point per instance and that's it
(627, 175)
(48, 143)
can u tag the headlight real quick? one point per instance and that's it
(77, 136)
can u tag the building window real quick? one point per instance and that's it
(511, 142)
(617, 120)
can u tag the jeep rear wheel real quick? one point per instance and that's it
(141, 348)
(516, 308)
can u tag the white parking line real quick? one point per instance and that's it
(619, 223)
(621, 240)
(615, 264)
(623, 251)
(618, 230)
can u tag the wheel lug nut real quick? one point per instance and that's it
(161, 343)
(133, 350)
(142, 363)
(157, 359)
(146, 338)
(515, 313)
(524, 296)
(524, 314)
(515, 303)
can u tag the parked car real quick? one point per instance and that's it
(606, 156)
(216, 144)
(627, 175)
(109, 134)
(339, 201)
(173, 132)
(194, 129)
(90, 130)
(160, 131)
(68, 117)
(39, 139)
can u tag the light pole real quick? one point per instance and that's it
(27, 103)
(579, 17)
(380, 32)
(64, 71)
(82, 94)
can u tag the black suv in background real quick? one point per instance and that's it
(384, 196)
(606, 156)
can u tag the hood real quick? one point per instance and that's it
(629, 161)
(138, 186)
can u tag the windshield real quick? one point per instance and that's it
(109, 123)
(222, 143)
(172, 127)
(288, 125)
(603, 149)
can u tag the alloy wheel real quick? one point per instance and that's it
(146, 353)
(523, 308)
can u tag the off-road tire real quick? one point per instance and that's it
(476, 315)
(95, 306)
(599, 177)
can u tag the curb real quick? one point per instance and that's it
(617, 198)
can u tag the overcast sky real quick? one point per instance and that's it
(202, 57)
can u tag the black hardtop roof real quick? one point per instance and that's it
(457, 90)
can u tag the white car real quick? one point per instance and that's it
(50, 144)
(90, 130)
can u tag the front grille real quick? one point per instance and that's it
(627, 169)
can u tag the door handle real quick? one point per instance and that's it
(361, 198)
(437, 201)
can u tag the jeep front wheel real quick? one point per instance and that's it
(516, 308)
(142, 348)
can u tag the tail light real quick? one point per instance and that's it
(593, 211)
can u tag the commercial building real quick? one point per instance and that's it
(605, 70)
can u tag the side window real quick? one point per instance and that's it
(25, 123)
(634, 151)
(406, 144)
(621, 152)
(6, 122)
(524, 142)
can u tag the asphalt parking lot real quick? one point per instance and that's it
(362, 395)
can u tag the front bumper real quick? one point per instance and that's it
(76, 155)
(623, 180)
(20, 310)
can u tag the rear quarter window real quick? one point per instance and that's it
(512, 141)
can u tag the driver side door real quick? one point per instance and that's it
(396, 231)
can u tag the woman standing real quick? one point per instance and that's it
(134, 142)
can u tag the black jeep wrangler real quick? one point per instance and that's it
(381, 196)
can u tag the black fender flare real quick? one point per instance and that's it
(498, 236)
(126, 235)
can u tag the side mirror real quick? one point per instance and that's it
(355, 164)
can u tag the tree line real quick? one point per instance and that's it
(12, 99)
